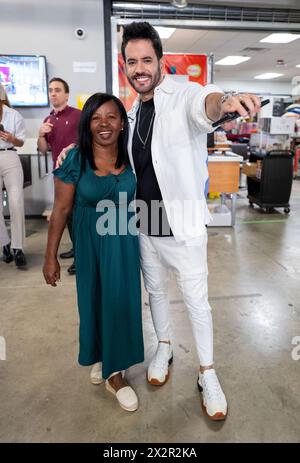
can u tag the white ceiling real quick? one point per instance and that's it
(223, 43)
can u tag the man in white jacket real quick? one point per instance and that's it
(168, 128)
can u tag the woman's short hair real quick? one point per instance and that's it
(85, 140)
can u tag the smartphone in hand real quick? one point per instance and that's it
(234, 115)
(2, 128)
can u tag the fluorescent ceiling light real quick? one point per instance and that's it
(280, 38)
(297, 65)
(165, 32)
(232, 60)
(268, 75)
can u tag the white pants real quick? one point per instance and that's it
(11, 173)
(158, 256)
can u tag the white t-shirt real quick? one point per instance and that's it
(14, 123)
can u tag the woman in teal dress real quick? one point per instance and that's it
(97, 178)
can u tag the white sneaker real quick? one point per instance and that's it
(213, 399)
(96, 374)
(158, 370)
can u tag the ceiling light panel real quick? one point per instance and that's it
(232, 60)
(268, 75)
(165, 32)
(280, 38)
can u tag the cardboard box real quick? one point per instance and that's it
(249, 169)
(264, 142)
(220, 215)
(277, 125)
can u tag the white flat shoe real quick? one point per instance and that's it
(96, 374)
(126, 397)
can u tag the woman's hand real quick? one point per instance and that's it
(63, 154)
(7, 136)
(51, 271)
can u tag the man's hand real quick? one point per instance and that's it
(63, 154)
(46, 127)
(245, 104)
(227, 126)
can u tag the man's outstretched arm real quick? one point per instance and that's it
(216, 105)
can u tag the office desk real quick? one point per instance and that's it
(224, 173)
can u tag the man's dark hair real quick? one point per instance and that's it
(144, 31)
(62, 81)
(85, 139)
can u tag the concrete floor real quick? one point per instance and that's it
(254, 286)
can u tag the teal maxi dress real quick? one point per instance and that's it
(107, 267)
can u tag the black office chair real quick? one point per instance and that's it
(274, 187)
(241, 149)
(26, 164)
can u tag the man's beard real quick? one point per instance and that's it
(154, 83)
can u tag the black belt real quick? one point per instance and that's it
(8, 149)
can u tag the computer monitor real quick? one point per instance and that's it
(25, 80)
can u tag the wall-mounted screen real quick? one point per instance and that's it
(25, 80)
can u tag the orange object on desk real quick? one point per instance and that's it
(224, 176)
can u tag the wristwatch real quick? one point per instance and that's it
(226, 96)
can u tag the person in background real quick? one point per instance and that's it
(107, 264)
(12, 134)
(58, 130)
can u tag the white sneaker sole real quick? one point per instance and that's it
(156, 382)
(219, 416)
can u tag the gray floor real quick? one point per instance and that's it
(254, 286)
